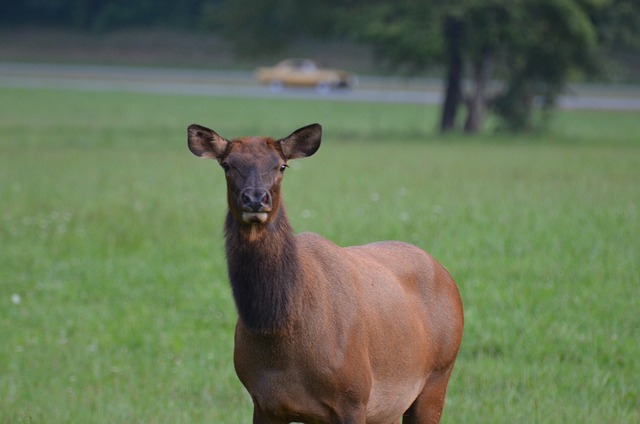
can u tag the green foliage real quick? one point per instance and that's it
(114, 304)
(261, 28)
(402, 33)
(265, 27)
(560, 38)
(533, 46)
(617, 21)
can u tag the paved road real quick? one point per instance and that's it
(242, 84)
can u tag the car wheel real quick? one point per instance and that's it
(323, 87)
(276, 86)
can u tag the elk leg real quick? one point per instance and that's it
(427, 408)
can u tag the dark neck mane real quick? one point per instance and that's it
(263, 269)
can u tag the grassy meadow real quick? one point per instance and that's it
(114, 304)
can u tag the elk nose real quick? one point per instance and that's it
(255, 199)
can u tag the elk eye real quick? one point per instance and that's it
(283, 167)
(225, 166)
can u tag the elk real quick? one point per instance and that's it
(327, 334)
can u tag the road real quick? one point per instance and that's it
(243, 84)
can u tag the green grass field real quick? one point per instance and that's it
(114, 304)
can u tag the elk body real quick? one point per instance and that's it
(327, 334)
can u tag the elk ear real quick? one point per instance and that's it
(302, 142)
(205, 143)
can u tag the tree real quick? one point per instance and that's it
(560, 39)
(486, 28)
(532, 46)
(453, 33)
(462, 34)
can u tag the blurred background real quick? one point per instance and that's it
(511, 60)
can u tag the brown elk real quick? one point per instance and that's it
(326, 334)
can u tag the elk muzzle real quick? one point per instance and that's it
(256, 205)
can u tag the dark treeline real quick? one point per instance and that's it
(107, 15)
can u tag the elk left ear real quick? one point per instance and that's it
(302, 142)
(205, 143)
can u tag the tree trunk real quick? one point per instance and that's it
(453, 33)
(477, 102)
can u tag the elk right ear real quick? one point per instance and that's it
(302, 142)
(205, 143)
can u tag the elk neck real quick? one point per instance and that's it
(264, 271)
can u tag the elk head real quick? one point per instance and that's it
(253, 167)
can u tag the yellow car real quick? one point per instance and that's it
(304, 73)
